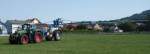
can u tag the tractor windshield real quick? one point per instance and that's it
(24, 27)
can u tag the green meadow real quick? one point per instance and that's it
(84, 43)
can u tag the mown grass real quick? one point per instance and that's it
(84, 43)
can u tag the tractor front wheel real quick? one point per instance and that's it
(24, 39)
(49, 37)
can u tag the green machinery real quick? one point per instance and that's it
(32, 33)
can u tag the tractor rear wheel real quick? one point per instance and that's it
(38, 37)
(24, 39)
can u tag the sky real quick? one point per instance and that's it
(70, 10)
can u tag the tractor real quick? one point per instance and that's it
(34, 33)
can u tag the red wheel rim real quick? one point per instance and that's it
(24, 39)
(38, 38)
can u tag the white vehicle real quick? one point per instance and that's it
(53, 34)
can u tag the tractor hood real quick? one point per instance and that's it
(21, 32)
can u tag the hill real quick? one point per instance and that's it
(137, 16)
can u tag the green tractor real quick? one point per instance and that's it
(31, 33)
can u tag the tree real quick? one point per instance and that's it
(81, 26)
(147, 23)
(1, 30)
(128, 26)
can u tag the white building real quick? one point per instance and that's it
(13, 25)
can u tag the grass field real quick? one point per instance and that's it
(84, 43)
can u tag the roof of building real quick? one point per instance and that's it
(16, 21)
(30, 20)
(21, 21)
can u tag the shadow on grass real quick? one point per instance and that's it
(13, 44)
(7, 44)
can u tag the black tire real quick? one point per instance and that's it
(56, 35)
(48, 38)
(13, 39)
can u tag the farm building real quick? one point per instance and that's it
(33, 21)
(98, 27)
(70, 26)
(13, 25)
